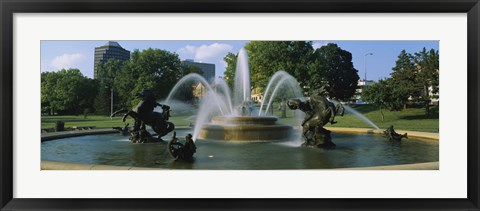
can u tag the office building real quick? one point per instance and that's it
(111, 50)
(208, 70)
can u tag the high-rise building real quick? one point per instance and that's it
(208, 70)
(111, 50)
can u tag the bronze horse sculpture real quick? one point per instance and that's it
(144, 114)
(319, 112)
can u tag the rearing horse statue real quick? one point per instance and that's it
(144, 114)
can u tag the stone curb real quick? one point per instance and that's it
(434, 136)
(74, 133)
(415, 166)
(53, 165)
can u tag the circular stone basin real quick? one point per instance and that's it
(243, 128)
(353, 150)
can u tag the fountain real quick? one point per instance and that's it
(222, 117)
(229, 125)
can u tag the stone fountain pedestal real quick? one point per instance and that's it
(245, 128)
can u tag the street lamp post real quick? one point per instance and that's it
(365, 65)
(111, 103)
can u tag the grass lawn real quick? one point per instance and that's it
(413, 119)
(410, 119)
(100, 121)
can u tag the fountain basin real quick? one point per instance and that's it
(354, 150)
(241, 128)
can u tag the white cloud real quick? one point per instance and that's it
(319, 44)
(206, 52)
(190, 49)
(67, 61)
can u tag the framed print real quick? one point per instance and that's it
(239, 105)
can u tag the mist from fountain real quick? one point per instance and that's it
(192, 77)
(218, 101)
(359, 115)
(281, 79)
(222, 87)
(275, 77)
(207, 110)
(241, 87)
(229, 107)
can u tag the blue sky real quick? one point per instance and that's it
(56, 55)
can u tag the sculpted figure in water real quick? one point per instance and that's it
(182, 151)
(392, 135)
(319, 111)
(144, 114)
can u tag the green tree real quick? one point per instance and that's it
(427, 77)
(49, 100)
(404, 75)
(418, 75)
(153, 69)
(268, 57)
(385, 95)
(229, 74)
(66, 92)
(301, 60)
(333, 67)
(106, 80)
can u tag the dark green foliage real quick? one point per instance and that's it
(404, 76)
(427, 77)
(268, 57)
(154, 69)
(69, 92)
(327, 65)
(107, 79)
(334, 67)
(386, 95)
(66, 92)
(229, 74)
(418, 76)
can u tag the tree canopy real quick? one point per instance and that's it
(69, 92)
(66, 92)
(333, 67)
(385, 95)
(314, 68)
(418, 75)
(154, 69)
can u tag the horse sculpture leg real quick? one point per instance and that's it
(164, 129)
(337, 108)
(306, 129)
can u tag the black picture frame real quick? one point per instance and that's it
(9, 7)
